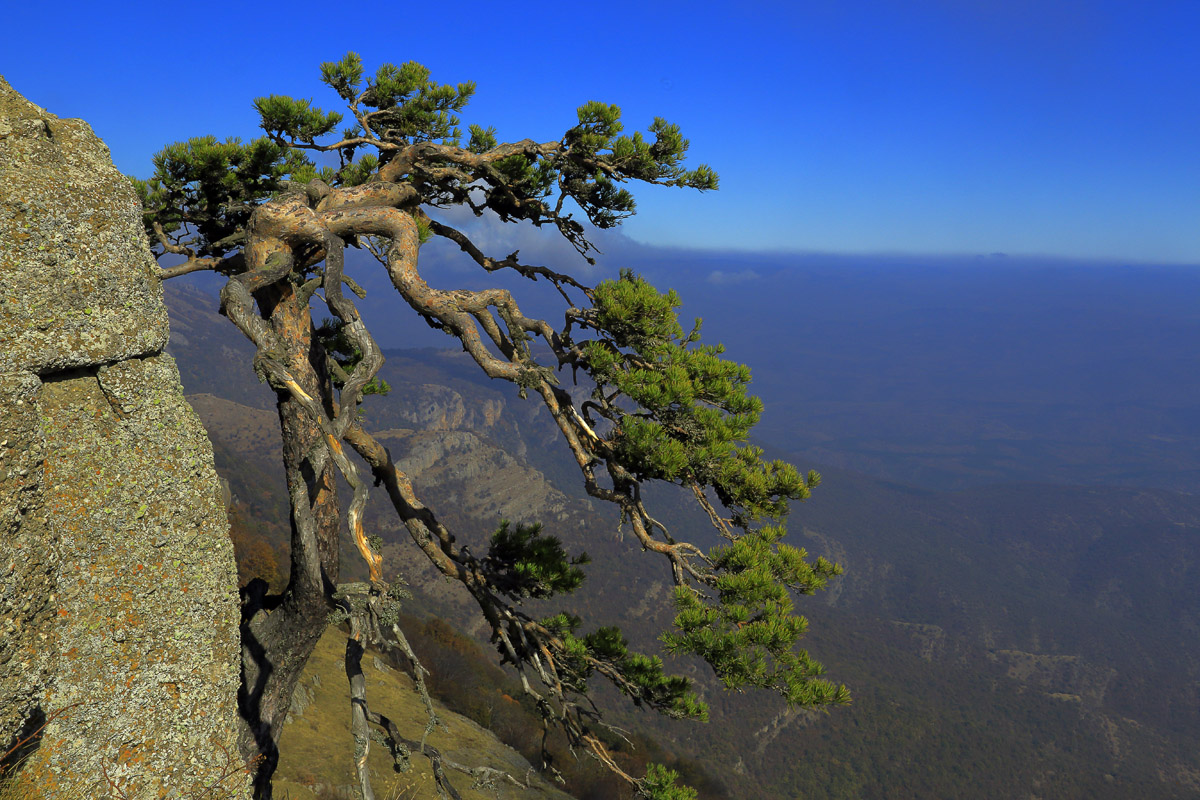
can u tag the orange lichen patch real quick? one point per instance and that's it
(129, 754)
(173, 688)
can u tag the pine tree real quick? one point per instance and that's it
(663, 406)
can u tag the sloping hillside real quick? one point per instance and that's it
(317, 754)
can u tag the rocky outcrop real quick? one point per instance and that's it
(478, 478)
(437, 408)
(118, 603)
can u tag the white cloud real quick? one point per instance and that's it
(721, 277)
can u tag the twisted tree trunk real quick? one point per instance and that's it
(279, 633)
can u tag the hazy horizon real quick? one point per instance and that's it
(936, 372)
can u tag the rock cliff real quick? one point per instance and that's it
(118, 605)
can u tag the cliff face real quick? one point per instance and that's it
(118, 602)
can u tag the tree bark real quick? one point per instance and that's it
(359, 730)
(280, 633)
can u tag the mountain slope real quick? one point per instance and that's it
(1005, 641)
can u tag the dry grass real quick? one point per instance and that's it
(316, 749)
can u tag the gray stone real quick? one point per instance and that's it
(118, 589)
(78, 277)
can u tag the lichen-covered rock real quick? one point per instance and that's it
(118, 590)
(28, 558)
(78, 278)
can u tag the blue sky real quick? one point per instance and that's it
(921, 126)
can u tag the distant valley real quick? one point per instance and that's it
(1005, 635)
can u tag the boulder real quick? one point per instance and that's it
(119, 650)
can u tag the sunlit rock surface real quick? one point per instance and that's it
(118, 590)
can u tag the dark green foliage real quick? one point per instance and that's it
(205, 190)
(344, 76)
(681, 413)
(409, 85)
(659, 784)
(400, 106)
(297, 119)
(692, 411)
(526, 176)
(481, 139)
(356, 172)
(643, 677)
(407, 104)
(562, 623)
(524, 562)
(749, 633)
(599, 157)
